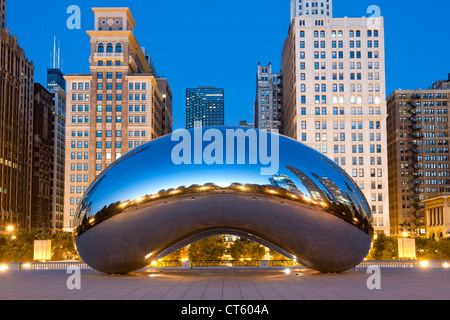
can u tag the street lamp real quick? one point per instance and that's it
(10, 228)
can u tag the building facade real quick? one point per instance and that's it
(56, 84)
(268, 109)
(418, 152)
(41, 199)
(333, 72)
(110, 111)
(205, 105)
(167, 98)
(313, 8)
(16, 133)
(437, 217)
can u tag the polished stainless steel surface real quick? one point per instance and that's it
(145, 206)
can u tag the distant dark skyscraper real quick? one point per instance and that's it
(2, 14)
(41, 209)
(56, 84)
(16, 132)
(205, 105)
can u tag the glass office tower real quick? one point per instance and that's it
(205, 105)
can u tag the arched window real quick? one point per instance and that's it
(302, 34)
(375, 33)
(101, 48)
(352, 33)
(109, 48)
(369, 33)
(119, 48)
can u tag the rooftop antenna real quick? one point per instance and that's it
(54, 52)
(59, 54)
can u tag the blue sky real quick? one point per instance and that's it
(211, 43)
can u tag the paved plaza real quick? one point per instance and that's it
(227, 284)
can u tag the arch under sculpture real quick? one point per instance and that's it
(183, 187)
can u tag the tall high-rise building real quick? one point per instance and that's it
(205, 105)
(2, 14)
(41, 208)
(16, 132)
(56, 84)
(167, 98)
(269, 99)
(333, 72)
(313, 8)
(110, 111)
(418, 152)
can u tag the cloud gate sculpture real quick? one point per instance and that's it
(198, 183)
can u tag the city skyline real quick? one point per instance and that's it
(227, 48)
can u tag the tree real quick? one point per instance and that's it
(247, 249)
(21, 249)
(63, 247)
(276, 256)
(207, 249)
(177, 255)
(384, 248)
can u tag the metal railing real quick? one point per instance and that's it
(436, 264)
(43, 266)
(441, 264)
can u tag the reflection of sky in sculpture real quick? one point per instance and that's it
(152, 170)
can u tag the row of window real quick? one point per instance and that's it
(340, 100)
(80, 86)
(340, 33)
(354, 76)
(374, 161)
(340, 44)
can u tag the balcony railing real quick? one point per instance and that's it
(105, 55)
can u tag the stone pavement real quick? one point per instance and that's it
(227, 284)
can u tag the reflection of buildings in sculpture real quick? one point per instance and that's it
(284, 182)
(332, 189)
(310, 185)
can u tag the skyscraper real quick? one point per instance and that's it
(113, 109)
(57, 87)
(16, 132)
(41, 209)
(205, 105)
(418, 151)
(2, 14)
(333, 72)
(167, 98)
(269, 99)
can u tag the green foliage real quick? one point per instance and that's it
(246, 249)
(21, 249)
(276, 256)
(207, 249)
(386, 248)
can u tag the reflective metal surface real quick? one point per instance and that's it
(145, 206)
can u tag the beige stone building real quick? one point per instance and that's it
(115, 108)
(438, 217)
(333, 72)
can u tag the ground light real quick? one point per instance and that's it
(424, 264)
